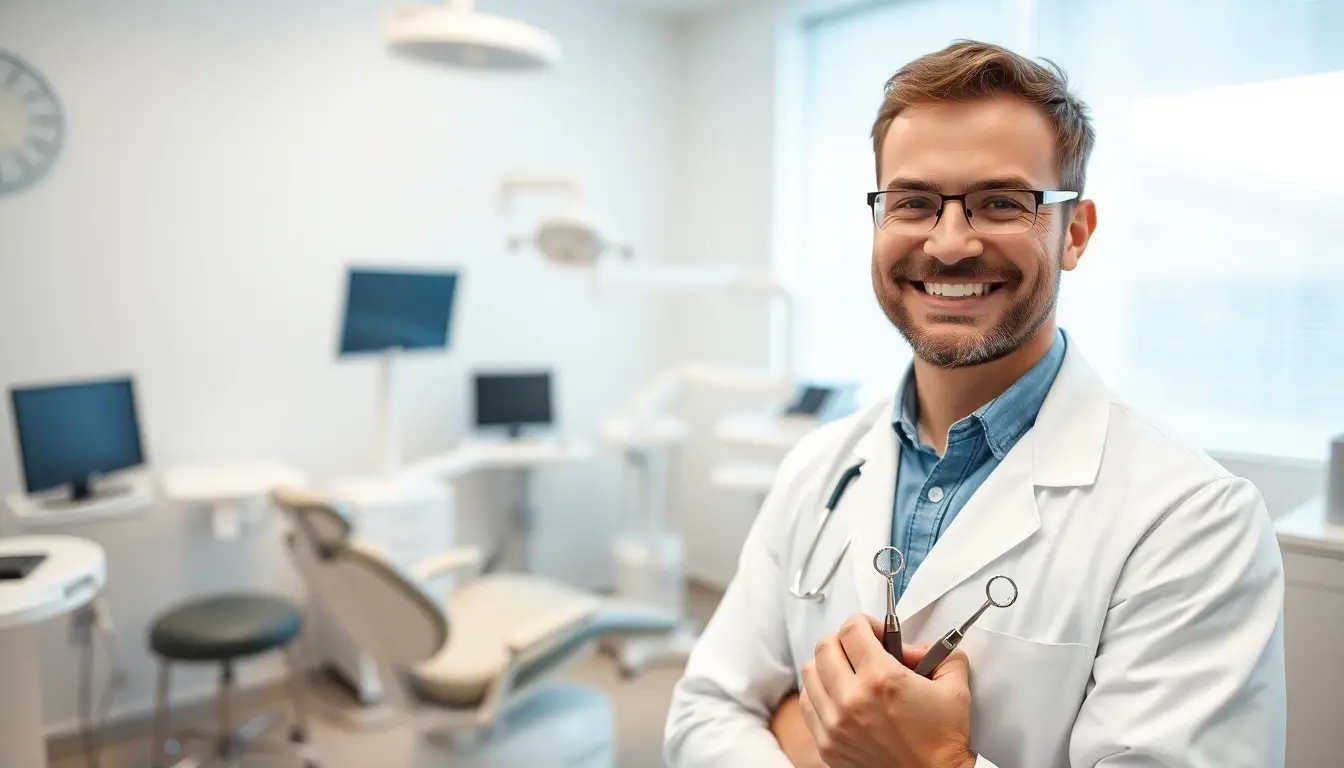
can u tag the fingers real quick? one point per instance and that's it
(915, 653)
(818, 708)
(956, 668)
(834, 668)
(860, 639)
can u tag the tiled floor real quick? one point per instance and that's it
(639, 706)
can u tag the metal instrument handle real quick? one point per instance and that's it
(938, 652)
(891, 638)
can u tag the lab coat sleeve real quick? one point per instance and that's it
(742, 667)
(1189, 670)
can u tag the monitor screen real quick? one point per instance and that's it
(809, 401)
(513, 399)
(397, 310)
(70, 433)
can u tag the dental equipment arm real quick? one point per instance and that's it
(658, 394)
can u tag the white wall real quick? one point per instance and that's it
(729, 218)
(225, 162)
(744, 96)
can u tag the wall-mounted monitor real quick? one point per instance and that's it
(397, 309)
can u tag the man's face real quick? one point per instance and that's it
(952, 147)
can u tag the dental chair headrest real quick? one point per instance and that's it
(322, 520)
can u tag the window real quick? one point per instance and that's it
(1212, 295)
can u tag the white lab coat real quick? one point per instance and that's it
(1148, 630)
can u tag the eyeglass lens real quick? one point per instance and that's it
(990, 211)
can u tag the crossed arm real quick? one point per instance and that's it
(790, 730)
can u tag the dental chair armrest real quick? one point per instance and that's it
(463, 560)
(593, 619)
(554, 627)
(618, 616)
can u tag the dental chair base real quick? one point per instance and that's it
(652, 576)
(636, 656)
(568, 725)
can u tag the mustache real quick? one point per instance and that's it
(968, 269)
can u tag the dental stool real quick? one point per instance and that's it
(224, 630)
(478, 689)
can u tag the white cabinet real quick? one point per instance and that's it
(406, 520)
(1313, 564)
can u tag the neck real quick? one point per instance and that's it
(947, 395)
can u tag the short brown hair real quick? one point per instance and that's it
(968, 70)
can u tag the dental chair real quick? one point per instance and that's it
(467, 671)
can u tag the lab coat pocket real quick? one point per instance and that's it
(1021, 686)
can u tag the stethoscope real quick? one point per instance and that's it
(819, 594)
(846, 477)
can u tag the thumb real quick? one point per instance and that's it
(955, 669)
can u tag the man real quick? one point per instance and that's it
(1148, 630)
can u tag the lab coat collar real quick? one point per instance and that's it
(1063, 449)
(872, 496)
(1070, 431)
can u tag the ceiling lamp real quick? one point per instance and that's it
(456, 35)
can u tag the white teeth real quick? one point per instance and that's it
(956, 289)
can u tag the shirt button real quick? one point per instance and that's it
(935, 494)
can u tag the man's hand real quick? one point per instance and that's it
(867, 710)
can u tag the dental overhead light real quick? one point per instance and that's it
(570, 237)
(456, 35)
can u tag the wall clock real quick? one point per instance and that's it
(32, 126)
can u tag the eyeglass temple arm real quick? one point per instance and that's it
(1057, 196)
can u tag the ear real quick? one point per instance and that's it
(1080, 228)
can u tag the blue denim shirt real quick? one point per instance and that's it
(930, 491)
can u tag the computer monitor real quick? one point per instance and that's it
(397, 309)
(513, 400)
(809, 401)
(69, 434)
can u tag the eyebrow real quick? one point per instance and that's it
(1002, 182)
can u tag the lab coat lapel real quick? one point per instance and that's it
(869, 502)
(1063, 449)
(999, 516)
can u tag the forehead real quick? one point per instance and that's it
(954, 144)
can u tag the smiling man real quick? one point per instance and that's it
(1148, 628)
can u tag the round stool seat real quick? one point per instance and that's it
(225, 627)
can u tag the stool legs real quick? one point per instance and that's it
(162, 723)
(230, 744)
(297, 691)
(224, 708)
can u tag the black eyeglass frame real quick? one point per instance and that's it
(1043, 197)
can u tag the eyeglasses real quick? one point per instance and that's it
(988, 211)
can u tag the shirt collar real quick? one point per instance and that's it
(1005, 419)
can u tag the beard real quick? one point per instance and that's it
(1033, 305)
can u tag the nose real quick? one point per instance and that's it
(952, 239)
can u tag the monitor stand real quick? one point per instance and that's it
(82, 493)
(515, 431)
(389, 418)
